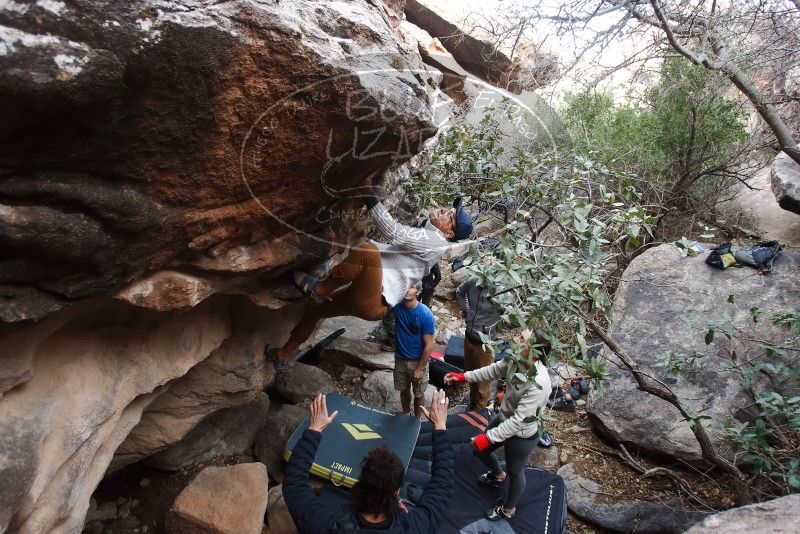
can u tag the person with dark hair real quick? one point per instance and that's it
(515, 428)
(384, 471)
(375, 277)
(377, 505)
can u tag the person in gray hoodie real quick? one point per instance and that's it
(515, 428)
(481, 316)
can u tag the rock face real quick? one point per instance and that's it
(623, 516)
(222, 500)
(476, 53)
(146, 135)
(365, 354)
(173, 156)
(271, 439)
(664, 304)
(278, 517)
(111, 384)
(785, 181)
(780, 516)
(299, 382)
(227, 432)
(378, 391)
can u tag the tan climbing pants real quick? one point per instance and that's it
(363, 298)
(475, 357)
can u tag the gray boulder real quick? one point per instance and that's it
(349, 351)
(625, 516)
(378, 391)
(785, 180)
(299, 382)
(227, 432)
(271, 439)
(279, 519)
(664, 304)
(780, 516)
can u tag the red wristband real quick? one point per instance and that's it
(482, 442)
(458, 377)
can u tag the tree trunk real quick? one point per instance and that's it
(654, 387)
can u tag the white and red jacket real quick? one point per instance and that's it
(522, 399)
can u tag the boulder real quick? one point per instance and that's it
(355, 327)
(103, 393)
(436, 55)
(271, 440)
(478, 53)
(664, 304)
(153, 136)
(546, 458)
(785, 181)
(279, 519)
(624, 516)
(227, 432)
(366, 354)
(232, 375)
(222, 500)
(779, 516)
(378, 391)
(162, 158)
(298, 382)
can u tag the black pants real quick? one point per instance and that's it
(517, 451)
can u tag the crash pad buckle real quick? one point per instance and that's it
(333, 480)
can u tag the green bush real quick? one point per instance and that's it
(686, 140)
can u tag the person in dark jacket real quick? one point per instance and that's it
(429, 283)
(377, 507)
(481, 316)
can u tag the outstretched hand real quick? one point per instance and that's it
(452, 378)
(319, 418)
(437, 413)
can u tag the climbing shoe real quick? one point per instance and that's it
(545, 440)
(556, 393)
(497, 512)
(488, 479)
(308, 285)
(271, 353)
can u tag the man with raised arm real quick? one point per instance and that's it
(376, 496)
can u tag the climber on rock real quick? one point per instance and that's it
(375, 276)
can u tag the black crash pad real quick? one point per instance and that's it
(357, 430)
(542, 509)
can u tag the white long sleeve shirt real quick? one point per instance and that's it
(410, 254)
(522, 399)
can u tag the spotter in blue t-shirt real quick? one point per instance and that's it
(410, 326)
